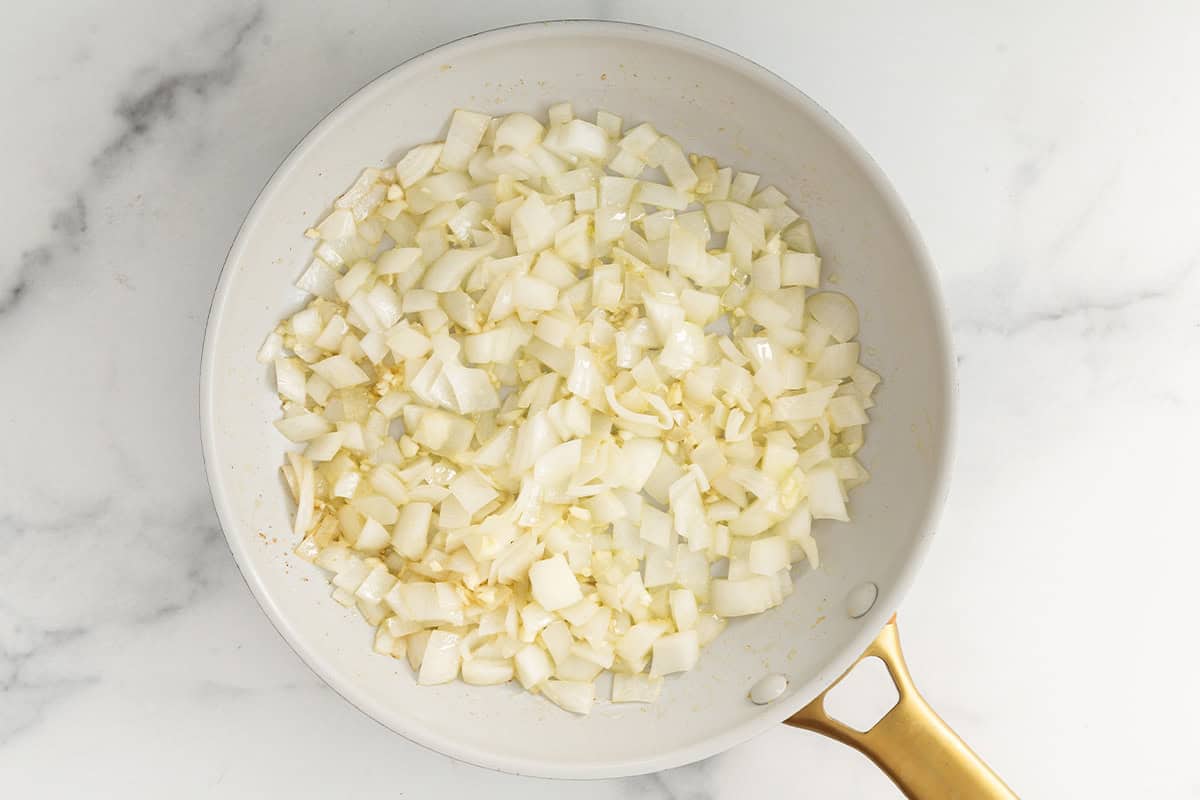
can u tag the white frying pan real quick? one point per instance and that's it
(717, 103)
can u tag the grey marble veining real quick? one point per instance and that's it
(141, 110)
(1046, 152)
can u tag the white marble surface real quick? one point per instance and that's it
(1048, 151)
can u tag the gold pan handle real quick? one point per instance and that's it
(911, 743)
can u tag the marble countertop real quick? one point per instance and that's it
(1048, 152)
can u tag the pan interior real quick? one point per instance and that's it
(714, 103)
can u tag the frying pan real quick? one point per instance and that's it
(716, 103)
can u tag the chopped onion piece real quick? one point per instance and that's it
(303, 427)
(584, 140)
(677, 652)
(519, 132)
(836, 312)
(825, 499)
(441, 659)
(769, 554)
(575, 696)
(800, 269)
(417, 163)
(533, 666)
(411, 534)
(684, 610)
(737, 598)
(463, 138)
(554, 586)
(487, 671)
(635, 688)
(449, 270)
(340, 371)
(637, 641)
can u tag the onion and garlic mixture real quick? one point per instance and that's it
(566, 403)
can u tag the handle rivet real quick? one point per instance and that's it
(769, 688)
(861, 599)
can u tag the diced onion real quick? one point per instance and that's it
(441, 661)
(836, 312)
(576, 696)
(737, 598)
(677, 652)
(635, 688)
(552, 377)
(487, 671)
(553, 584)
